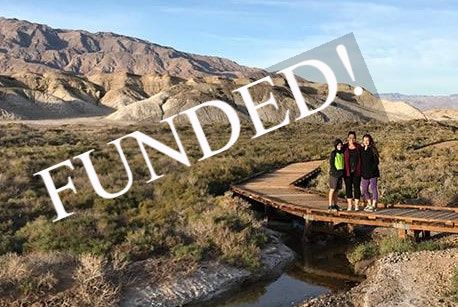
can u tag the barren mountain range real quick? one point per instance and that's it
(425, 102)
(48, 73)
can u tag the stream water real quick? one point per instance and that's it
(320, 268)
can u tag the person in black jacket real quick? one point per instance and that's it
(369, 172)
(352, 171)
(336, 172)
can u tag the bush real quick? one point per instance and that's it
(58, 279)
(191, 251)
(97, 282)
(31, 278)
(233, 234)
(362, 252)
(393, 244)
(430, 246)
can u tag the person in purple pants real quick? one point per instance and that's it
(369, 172)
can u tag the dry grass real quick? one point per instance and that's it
(225, 227)
(59, 279)
(97, 283)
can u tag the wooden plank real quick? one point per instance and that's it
(451, 216)
(392, 212)
(423, 213)
(424, 207)
(387, 211)
(436, 214)
(406, 212)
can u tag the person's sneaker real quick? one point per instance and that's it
(356, 208)
(349, 208)
(370, 208)
(329, 207)
(336, 207)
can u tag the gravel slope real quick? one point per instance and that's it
(408, 279)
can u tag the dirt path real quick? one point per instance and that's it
(442, 144)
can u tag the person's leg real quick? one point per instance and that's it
(336, 192)
(331, 198)
(374, 190)
(349, 191)
(365, 184)
(357, 190)
(332, 191)
(365, 189)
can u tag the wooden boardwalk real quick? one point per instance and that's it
(279, 189)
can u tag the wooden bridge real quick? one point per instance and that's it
(281, 189)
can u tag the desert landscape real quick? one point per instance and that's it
(185, 239)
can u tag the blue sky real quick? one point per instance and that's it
(409, 46)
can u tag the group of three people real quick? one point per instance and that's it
(357, 165)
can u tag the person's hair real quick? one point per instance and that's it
(351, 132)
(337, 142)
(371, 142)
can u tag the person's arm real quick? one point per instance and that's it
(332, 165)
(376, 158)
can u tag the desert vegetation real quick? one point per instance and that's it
(168, 227)
(392, 244)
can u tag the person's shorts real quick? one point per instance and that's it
(335, 183)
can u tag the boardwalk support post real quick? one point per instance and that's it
(307, 231)
(416, 235)
(426, 234)
(402, 233)
(267, 211)
(351, 229)
(308, 220)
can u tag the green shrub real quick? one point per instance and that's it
(390, 244)
(362, 251)
(430, 246)
(394, 244)
(192, 251)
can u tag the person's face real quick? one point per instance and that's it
(351, 138)
(339, 146)
(366, 141)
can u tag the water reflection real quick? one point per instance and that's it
(321, 268)
(287, 290)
